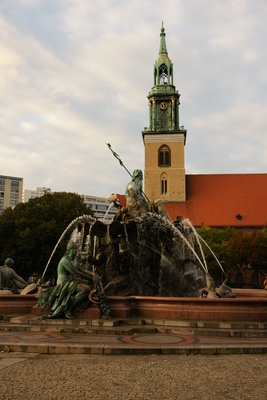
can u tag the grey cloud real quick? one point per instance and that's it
(78, 77)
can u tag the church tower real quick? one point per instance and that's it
(164, 139)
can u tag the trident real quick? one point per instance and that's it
(116, 155)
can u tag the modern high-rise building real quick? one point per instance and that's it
(37, 192)
(10, 191)
(102, 207)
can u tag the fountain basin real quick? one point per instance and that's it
(234, 309)
(249, 305)
(250, 293)
(17, 304)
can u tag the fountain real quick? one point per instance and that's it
(141, 256)
(149, 266)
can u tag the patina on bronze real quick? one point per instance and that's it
(9, 280)
(74, 289)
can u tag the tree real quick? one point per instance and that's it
(218, 240)
(251, 248)
(30, 231)
(235, 247)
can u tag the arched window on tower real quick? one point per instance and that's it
(163, 74)
(164, 184)
(164, 156)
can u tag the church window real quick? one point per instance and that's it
(164, 186)
(164, 156)
(163, 75)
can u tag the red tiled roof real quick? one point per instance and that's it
(120, 197)
(216, 200)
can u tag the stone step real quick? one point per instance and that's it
(207, 324)
(124, 330)
(130, 326)
(238, 333)
(113, 322)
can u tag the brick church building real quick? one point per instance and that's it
(218, 200)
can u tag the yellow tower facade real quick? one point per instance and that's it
(164, 139)
(164, 167)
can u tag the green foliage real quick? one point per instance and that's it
(30, 231)
(251, 248)
(235, 247)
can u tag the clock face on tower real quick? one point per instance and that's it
(163, 105)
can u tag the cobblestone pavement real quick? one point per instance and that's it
(151, 377)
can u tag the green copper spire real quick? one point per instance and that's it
(163, 67)
(163, 99)
(162, 47)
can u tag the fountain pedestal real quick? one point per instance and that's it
(249, 305)
(232, 309)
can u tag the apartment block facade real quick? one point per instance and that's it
(102, 207)
(37, 192)
(11, 189)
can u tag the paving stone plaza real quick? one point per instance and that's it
(132, 362)
(139, 377)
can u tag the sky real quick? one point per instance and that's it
(75, 75)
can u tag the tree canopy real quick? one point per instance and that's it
(30, 231)
(236, 247)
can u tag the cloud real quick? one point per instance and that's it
(75, 75)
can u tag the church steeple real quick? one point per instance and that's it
(163, 98)
(162, 48)
(163, 67)
(164, 139)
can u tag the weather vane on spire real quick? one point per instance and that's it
(162, 27)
